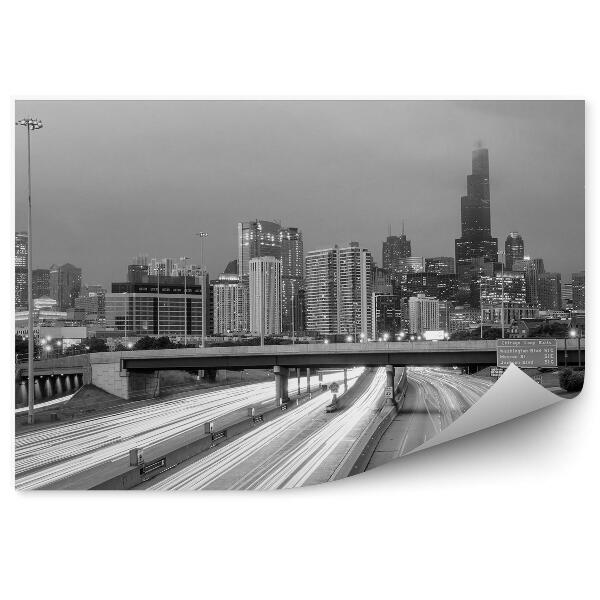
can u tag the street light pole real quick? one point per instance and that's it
(202, 235)
(32, 125)
(293, 328)
(158, 299)
(185, 259)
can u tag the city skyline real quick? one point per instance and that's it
(102, 250)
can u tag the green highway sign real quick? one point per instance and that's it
(526, 354)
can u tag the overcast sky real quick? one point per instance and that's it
(113, 179)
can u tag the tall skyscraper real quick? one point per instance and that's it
(230, 305)
(423, 314)
(255, 239)
(549, 291)
(41, 283)
(21, 253)
(514, 249)
(292, 275)
(395, 248)
(65, 285)
(265, 295)
(578, 290)
(339, 289)
(476, 239)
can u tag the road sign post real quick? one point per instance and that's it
(526, 353)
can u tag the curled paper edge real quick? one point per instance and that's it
(513, 395)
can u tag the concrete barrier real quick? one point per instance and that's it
(222, 432)
(359, 456)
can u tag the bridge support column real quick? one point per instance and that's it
(298, 378)
(389, 382)
(308, 383)
(345, 380)
(281, 384)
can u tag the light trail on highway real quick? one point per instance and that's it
(435, 398)
(284, 453)
(45, 456)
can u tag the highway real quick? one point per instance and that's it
(301, 448)
(435, 398)
(46, 456)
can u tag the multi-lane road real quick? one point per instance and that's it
(435, 398)
(302, 448)
(46, 456)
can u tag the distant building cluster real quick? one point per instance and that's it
(274, 288)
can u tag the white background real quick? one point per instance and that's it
(507, 513)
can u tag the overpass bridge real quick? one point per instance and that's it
(129, 374)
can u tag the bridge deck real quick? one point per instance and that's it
(480, 352)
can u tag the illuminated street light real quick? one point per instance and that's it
(32, 125)
(326, 342)
(385, 337)
(349, 338)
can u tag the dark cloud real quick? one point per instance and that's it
(116, 178)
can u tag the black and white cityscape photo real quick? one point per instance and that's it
(272, 294)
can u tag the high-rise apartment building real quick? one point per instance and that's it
(292, 276)
(476, 239)
(549, 291)
(265, 295)
(439, 265)
(21, 254)
(578, 287)
(514, 249)
(423, 314)
(338, 291)
(532, 267)
(65, 285)
(230, 305)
